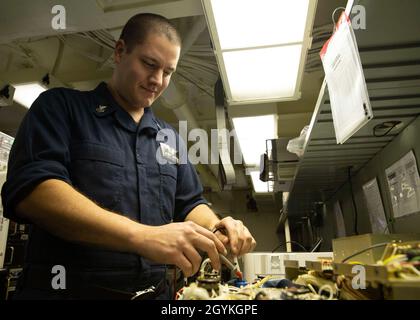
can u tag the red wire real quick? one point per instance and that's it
(239, 274)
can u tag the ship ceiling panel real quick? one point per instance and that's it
(355, 166)
(341, 152)
(377, 71)
(365, 144)
(389, 22)
(332, 141)
(393, 54)
(398, 88)
(23, 19)
(399, 111)
(325, 129)
(331, 160)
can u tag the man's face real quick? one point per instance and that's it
(144, 73)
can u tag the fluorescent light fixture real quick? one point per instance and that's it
(270, 72)
(26, 93)
(260, 46)
(252, 133)
(260, 186)
(254, 23)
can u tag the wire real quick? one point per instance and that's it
(291, 241)
(329, 289)
(180, 73)
(390, 125)
(59, 57)
(364, 250)
(66, 40)
(333, 15)
(356, 231)
(391, 259)
(259, 283)
(317, 244)
(386, 228)
(413, 269)
(101, 37)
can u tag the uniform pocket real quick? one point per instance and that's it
(168, 184)
(96, 171)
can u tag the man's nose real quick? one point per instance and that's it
(156, 78)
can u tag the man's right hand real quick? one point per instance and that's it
(180, 244)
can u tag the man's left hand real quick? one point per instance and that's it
(235, 236)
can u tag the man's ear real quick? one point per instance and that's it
(119, 50)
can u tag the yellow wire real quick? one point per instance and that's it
(394, 257)
(261, 282)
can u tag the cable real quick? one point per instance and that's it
(386, 228)
(364, 250)
(291, 241)
(354, 202)
(329, 289)
(390, 125)
(180, 73)
(317, 244)
(66, 41)
(59, 57)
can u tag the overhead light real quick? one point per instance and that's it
(252, 134)
(261, 22)
(260, 46)
(26, 93)
(271, 73)
(260, 186)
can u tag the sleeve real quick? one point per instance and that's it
(189, 191)
(40, 150)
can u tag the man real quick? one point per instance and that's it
(83, 171)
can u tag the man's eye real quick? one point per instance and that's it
(149, 64)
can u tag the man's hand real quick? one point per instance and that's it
(233, 233)
(181, 244)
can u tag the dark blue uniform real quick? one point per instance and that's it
(87, 140)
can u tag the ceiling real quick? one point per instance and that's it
(81, 56)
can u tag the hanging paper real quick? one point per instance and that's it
(349, 97)
(375, 207)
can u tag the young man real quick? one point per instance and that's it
(83, 171)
